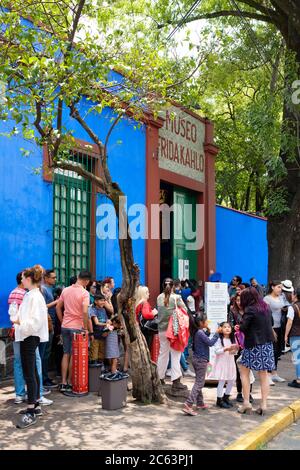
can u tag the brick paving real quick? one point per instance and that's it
(80, 423)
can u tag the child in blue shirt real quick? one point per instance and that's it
(98, 316)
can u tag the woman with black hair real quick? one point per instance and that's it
(167, 302)
(258, 354)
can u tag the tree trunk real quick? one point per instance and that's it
(284, 244)
(284, 230)
(146, 384)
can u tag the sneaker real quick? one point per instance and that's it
(168, 373)
(19, 399)
(294, 384)
(278, 379)
(62, 387)
(45, 402)
(46, 392)
(188, 410)
(69, 388)
(286, 350)
(189, 373)
(26, 420)
(50, 384)
(37, 411)
(271, 383)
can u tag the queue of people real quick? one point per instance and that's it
(258, 329)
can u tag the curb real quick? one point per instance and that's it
(268, 429)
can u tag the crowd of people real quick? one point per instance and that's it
(44, 319)
(259, 328)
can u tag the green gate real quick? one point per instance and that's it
(71, 225)
(184, 221)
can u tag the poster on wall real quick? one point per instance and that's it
(216, 304)
(180, 269)
(186, 269)
(183, 269)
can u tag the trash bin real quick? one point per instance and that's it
(94, 377)
(113, 390)
(80, 364)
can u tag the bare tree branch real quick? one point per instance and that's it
(74, 113)
(258, 6)
(97, 180)
(37, 122)
(110, 131)
(75, 23)
(180, 82)
(223, 13)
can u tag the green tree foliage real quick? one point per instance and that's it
(57, 68)
(245, 86)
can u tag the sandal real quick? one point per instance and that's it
(202, 407)
(189, 410)
(244, 409)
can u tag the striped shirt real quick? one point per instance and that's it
(17, 296)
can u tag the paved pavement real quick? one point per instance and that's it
(80, 423)
(289, 439)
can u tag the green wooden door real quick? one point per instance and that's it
(184, 225)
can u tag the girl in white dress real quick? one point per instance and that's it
(224, 369)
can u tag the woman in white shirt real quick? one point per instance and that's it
(31, 328)
(275, 301)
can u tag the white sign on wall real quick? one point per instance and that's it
(183, 269)
(216, 303)
(181, 144)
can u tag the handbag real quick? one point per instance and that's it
(240, 339)
(148, 325)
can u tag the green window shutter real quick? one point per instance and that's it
(71, 221)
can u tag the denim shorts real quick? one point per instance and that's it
(67, 337)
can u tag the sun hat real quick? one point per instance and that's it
(287, 286)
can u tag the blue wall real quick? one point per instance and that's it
(26, 201)
(26, 215)
(127, 164)
(241, 245)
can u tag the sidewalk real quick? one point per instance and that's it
(80, 423)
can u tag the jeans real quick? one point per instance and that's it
(277, 346)
(186, 351)
(28, 357)
(18, 370)
(295, 347)
(45, 351)
(183, 363)
(196, 395)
